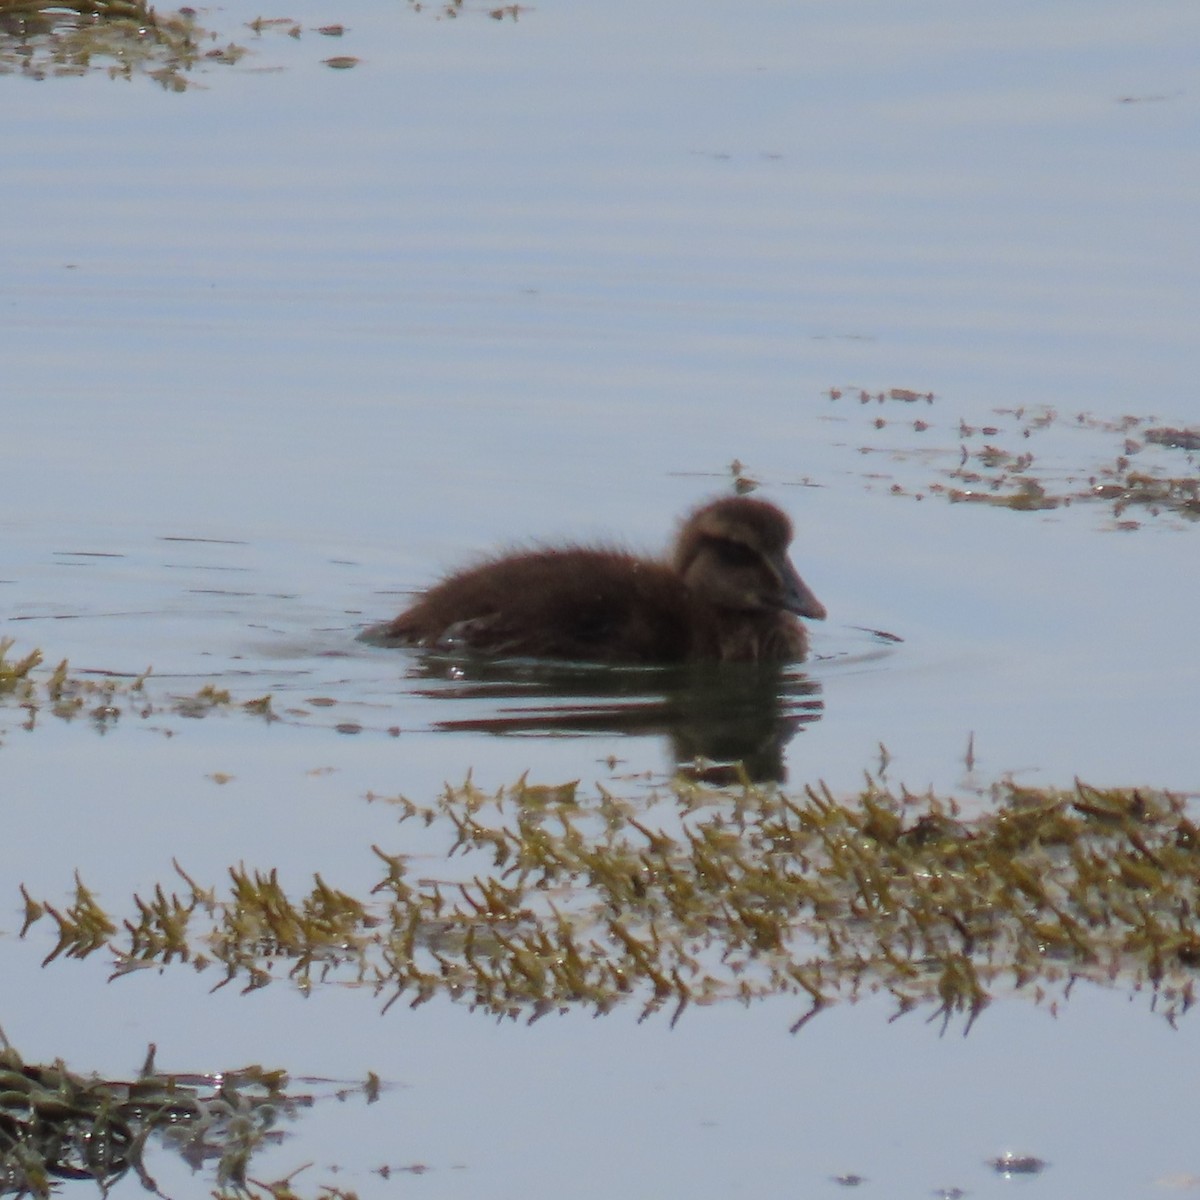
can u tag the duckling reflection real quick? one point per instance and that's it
(728, 593)
(721, 721)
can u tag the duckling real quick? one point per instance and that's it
(727, 593)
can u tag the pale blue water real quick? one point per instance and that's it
(547, 279)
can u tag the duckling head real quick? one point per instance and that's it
(733, 554)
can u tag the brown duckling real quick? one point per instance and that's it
(727, 594)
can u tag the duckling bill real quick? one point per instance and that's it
(727, 593)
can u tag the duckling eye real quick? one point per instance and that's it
(735, 554)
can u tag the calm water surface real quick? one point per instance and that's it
(282, 348)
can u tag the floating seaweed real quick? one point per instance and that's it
(58, 1125)
(549, 901)
(1137, 477)
(104, 697)
(451, 9)
(694, 894)
(15, 676)
(41, 38)
(47, 38)
(1185, 439)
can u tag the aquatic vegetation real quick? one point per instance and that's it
(57, 1125)
(105, 698)
(549, 900)
(1185, 439)
(43, 39)
(1017, 1164)
(124, 37)
(1141, 475)
(451, 9)
(14, 676)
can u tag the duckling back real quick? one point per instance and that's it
(572, 603)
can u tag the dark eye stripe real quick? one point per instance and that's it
(735, 554)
